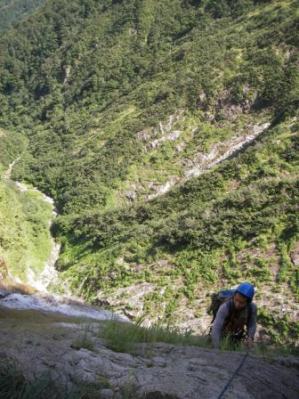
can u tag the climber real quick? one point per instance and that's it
(236, 318)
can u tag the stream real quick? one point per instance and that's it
(43, 299)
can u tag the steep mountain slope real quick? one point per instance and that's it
(131, 109)
(25, 241)
(13, 11)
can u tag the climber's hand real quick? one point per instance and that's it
(249, 343)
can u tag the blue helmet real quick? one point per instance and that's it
(247, 290)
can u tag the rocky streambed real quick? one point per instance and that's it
(35, 293)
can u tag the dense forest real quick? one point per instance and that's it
(120, 102)
(13, 11)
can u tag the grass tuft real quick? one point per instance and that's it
(122, 337)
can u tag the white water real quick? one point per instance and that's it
(44, 300)
(51, 303)
(49, 274)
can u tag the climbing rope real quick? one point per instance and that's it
(233, 376)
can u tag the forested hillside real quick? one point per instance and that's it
(13, 11)
(167, 134)
(25, 242)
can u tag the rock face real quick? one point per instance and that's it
(295, 255)
(44, 343)
(200, 163)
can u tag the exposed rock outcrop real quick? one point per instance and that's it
(44, 343)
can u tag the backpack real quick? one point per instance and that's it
(217, 299)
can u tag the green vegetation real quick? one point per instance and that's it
(11, 146)
(12, 11)
(281, 330)
(13, 385)
(98, 87)
(84, 341)
(125, 337)
(122, 337)
(25, 238)
(25, 243)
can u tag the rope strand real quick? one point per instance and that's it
(233, 376)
